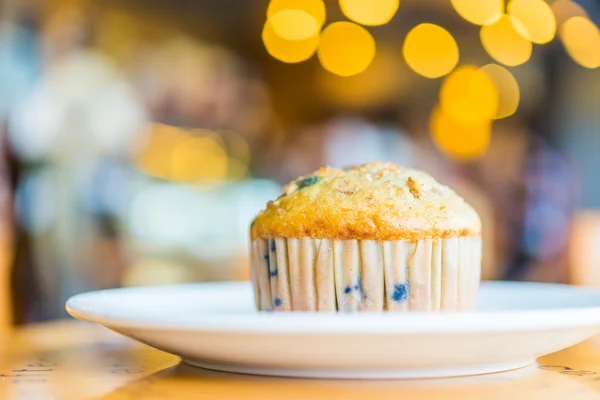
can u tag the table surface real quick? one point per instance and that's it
(76, 360)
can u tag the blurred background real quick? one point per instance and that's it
(140, 137)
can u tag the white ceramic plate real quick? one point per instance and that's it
(215, 326)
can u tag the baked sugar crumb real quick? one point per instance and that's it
(414, 187)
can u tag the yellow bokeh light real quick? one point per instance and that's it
(316, 8)
(198, 159)
(565, 9)
(236, 169)
(581, 39)
(507, 88)
(505, 40)
(430, 50)
(459, 140)
(154, 157)
(371, 12)
(378, 85)
(346, 48)
(177, 154)
(478, 12)
(469, 96)
(289, 51)
(237, 146)
(294, 24)
(537, 18)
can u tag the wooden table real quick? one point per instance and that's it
(75, 360)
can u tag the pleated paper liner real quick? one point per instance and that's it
(365, 275)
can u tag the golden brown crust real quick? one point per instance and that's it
(375, 201)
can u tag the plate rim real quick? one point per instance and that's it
(382, 323)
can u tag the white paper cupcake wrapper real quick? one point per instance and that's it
(365, 275)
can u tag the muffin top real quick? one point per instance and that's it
(374, 201)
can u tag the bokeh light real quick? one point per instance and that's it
(346, 48)
(565, 9)
(507, 88)
(430, 50)
(505, 40)
(581, 39)
(372, 12)
(378, 85)
(236, 169)
(239, 154)
(537, 18)
(469, 96)
(180, 155)
(478, 12)
(198, 159)
(316, 8)
(236, 145)
(289, 51)
(154, 157)
(459, 140)
(294, 24)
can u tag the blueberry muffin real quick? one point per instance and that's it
(374, 237)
